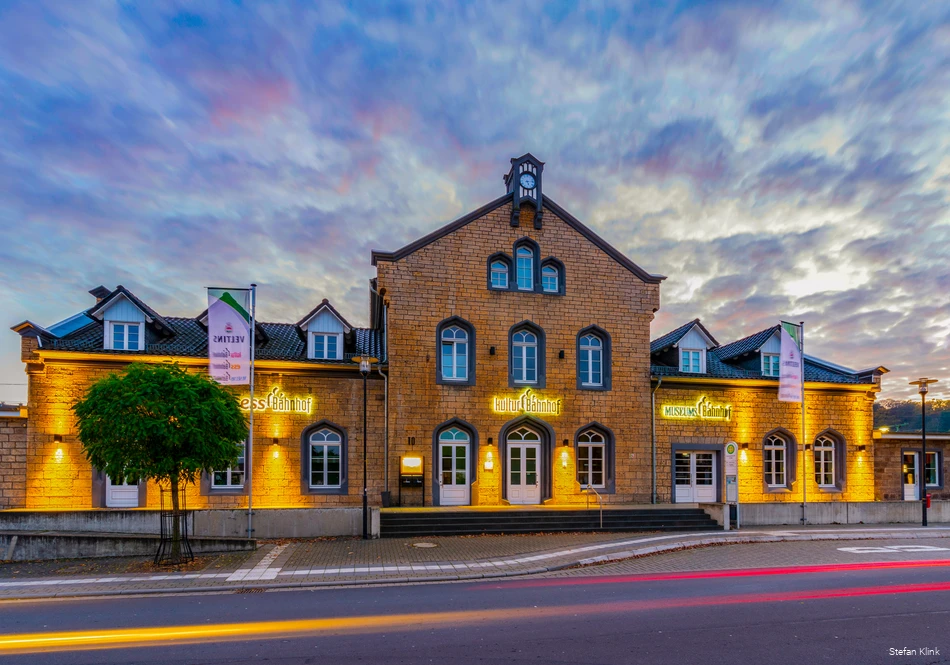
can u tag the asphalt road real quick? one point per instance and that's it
(852, 612)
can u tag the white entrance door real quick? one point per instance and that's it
(524, 481)
(454, 486)
(121, 496)
(695, 475)
(911, 479)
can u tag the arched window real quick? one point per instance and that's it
(454, 354)
(453, 453)
(499, 275)
(549, 279)
(591, 459)
(591, 361)
(825, 461)
(525, 269)
(774, 460)
(524, 357)
(326, 453)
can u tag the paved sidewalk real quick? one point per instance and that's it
(344, 561)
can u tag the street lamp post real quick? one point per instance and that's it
(365, 367)
(922, 388)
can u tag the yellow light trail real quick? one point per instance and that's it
(166, 635)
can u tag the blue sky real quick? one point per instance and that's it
(774, 160)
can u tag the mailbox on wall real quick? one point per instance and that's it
(412, 474)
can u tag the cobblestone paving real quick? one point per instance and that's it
(765, 555)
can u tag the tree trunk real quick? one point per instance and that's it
(176, 523)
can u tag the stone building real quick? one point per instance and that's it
(516, 367)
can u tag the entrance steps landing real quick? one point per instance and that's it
(464, 521)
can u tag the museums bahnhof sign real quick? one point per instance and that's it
(701, 410)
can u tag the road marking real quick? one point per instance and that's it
(262, 571)
(894, 548)
(162, 636)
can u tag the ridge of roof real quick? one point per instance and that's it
(567, 217)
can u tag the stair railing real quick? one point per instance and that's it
(590, 488)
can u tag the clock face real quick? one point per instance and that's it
(527, 181)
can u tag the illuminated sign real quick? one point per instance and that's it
(702, 410)
(527, 402)
(277, 402)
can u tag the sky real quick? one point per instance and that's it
(774, 160)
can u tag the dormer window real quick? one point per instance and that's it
(324, 329)
(125, 336)
(693, 361)
(770, 364)
(328, 346)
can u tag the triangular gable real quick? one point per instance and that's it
(152, 318)
(673, 337)
(30, 329)
(565, 216)
(324, 306)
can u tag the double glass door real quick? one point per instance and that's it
(695, 474)
(524, 482)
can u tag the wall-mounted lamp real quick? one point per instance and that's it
(489, 441)
(566, 443)
(491, 350)
(745, 446)
(861, 449)
(57, 438)
(489, 462)
(563, 459)
(275, 440)
(807, 446)
(560, 354)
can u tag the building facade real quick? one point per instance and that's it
(516, 367)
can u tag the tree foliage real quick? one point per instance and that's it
(158, 422)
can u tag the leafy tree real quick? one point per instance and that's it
(161, 423)
(904, 415)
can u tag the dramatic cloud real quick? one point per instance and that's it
(774, 160)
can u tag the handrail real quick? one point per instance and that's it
(590, 488)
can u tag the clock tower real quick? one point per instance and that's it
(524, 182)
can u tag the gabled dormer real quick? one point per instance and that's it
(757, 353)
(324, 329)
(125, 320)
(684, 348)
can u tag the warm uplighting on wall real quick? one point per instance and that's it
(489, 462)
(59, 455)
(564, 459)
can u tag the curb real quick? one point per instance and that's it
(432, 579)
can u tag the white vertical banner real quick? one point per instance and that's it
(229, 336)
(790, 378)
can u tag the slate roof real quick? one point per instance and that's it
(718, 365)
(187, 337)
(746, 344)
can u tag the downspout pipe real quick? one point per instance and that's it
(659, 382)
(386, 399)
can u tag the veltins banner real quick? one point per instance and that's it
(790, 365)
(229, 336)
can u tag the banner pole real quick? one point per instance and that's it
(801, 333)
(249, 459)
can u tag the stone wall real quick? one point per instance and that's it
(888, 468)
(449, 278)
(13, 434)
(57, 475)
(755, 413)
